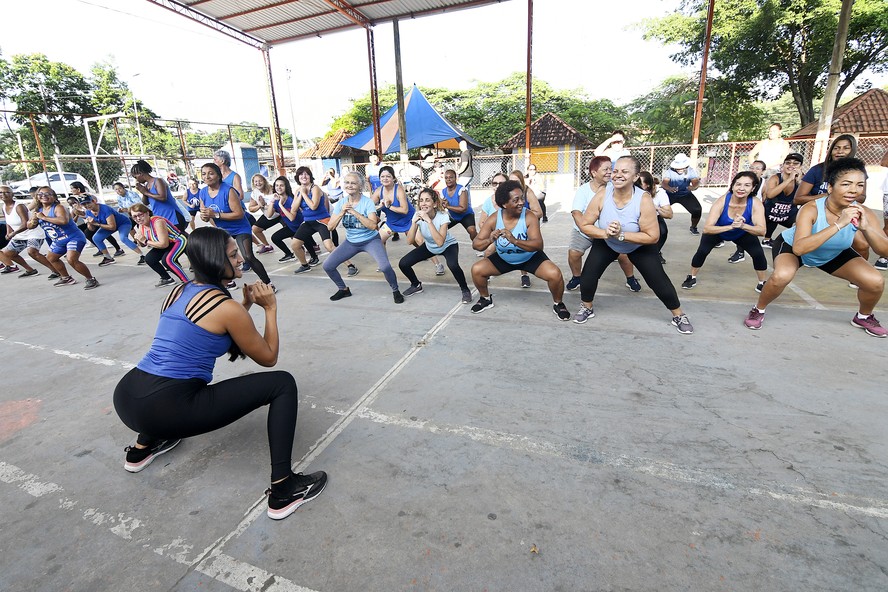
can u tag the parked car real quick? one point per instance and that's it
(60, 184)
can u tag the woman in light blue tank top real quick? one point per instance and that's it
(429, 232)
(167, 396)
(829, 234)
(519, 247)
(621, 218)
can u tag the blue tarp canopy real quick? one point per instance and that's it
(425, 127)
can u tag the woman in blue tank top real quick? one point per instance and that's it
(515, 231)
(222, 204)
(621, 218)
(312, 203)
(192, 202)
(66, 238)
(829, 234)
(393, 203)
(167, 396)
(736, 216)
(156, 194)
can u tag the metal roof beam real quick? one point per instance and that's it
(350, 12)
(210, 22)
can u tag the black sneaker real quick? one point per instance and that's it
(482, 304)
(398, 297)
(525, 281)
(411, 290)
(165, 282)
(53, 276)
(720, 244)
(305, 488)
(302, 269)
(694, 230)
(106, 261)
(573, 284)
(561, 311)
(340, 294)
(119, 253)
(286, 258)
(352, 270)
(141, 260)
(766, 244)
(633, 284)
(139, 458)
(99, 254)
(314, 262)
(396, 237)
(689, 283)
(737, 257)
(760, 286)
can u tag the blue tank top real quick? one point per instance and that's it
(453, 200)
(105, 212)
(180, 348)
(394, 220)
(507, 251)
(311, 215)
(166, 209)
(288, 204)
(628, 217)
(59, 232)
(192, 200)
(220, 204)
(229, 179)
(726, 220)
(832, 247)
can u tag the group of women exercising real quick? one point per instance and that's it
(168, 395)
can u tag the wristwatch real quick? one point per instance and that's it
(621, 237)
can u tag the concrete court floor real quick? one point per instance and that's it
(500, 451)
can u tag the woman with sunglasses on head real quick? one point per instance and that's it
(168, 395)
(67, 239)
(166, 242)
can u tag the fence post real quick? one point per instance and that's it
(92, 157)
(651, 165)
(184, 151)
(731, 162)
(39, 147)
(120, 153)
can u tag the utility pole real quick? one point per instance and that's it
(824, 126)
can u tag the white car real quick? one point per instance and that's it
(60, 184)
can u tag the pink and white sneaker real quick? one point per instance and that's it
(870, 325)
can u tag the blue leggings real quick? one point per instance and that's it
(123, 230)
(347, 249)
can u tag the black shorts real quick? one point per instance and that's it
(466, 221)
(264, 223)
(530, 266)
(780, 247)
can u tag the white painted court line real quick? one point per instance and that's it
(806, 297)
(665, 470)
(98, 360)
(233, 572)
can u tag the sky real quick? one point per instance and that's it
(182, 69)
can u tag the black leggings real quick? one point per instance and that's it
(421, 253)
(771, 226)
(646, 258)
(161, 408)
(245, 244)
(542, 200)
(747, 242)
(664, 232)
(286, 232)
(90, 233)
(689, 202)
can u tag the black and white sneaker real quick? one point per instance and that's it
(633, 284)
(314, 261)
(106, 262)
(139, 458)
(411, 290)
(737, 257)
(561, 311)
(482, 304)
(302, 269)
(304, 488)
(689, 283)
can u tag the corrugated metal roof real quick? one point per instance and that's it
(281, 21)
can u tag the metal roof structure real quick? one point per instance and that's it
(273, 22)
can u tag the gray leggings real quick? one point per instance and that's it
(347, 249)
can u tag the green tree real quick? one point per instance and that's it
(666, 114)
(774, 46)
